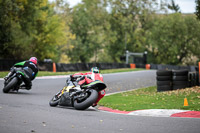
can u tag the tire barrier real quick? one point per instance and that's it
(46, 65)
(176, 79)
(193, 79)
(180, 79)
(61, 67)
(6, 64)
(173, 67)
(164, 80)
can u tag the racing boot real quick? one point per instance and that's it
(94, 104)
(28, 86)
(23, 86)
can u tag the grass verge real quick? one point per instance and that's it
(46, 73)
(149, 98)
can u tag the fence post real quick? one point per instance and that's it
(54, 67)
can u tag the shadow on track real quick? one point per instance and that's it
(71, 108)
(19, 93)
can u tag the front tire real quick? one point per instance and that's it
(82, 105)
(10, 85)
(54, 101)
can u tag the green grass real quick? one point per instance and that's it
(46, 73)
(149, 98)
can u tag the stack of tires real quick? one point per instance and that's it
(193, 78)
(164, 80)
(180, 79)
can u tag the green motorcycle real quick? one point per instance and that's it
(15, 81)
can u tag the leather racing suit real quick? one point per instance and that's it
(30, 69)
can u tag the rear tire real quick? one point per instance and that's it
(88, 102)
(10, 85)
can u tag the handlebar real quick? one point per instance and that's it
(79, 77)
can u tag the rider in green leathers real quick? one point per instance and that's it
(30, 69)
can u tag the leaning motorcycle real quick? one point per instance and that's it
(79, 99)
(15, 81)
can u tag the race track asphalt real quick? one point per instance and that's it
(29, 111)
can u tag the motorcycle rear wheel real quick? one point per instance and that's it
(82, 105)
(10, 85)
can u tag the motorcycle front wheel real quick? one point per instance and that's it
(86, 103)
(54, 101)
(10, 85)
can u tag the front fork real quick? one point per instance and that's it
(9, 79)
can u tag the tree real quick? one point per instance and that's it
(173, 39)
(128, 21)
(31, 28)
(16, 24)
(87, 20)
(197, 9)
(173, 6)
(6, 17)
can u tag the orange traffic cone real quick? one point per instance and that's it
(54, 67)
(185, 102)
(148, 66)
(132, 66)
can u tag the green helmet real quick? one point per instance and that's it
(95, 70)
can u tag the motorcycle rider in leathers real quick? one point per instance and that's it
(30, 69)
(89, 77)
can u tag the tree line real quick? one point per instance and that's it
(98, 31)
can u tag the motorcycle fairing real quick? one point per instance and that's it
(99, 85)
(20, 63)
(22, 72)
(67, 89)
(65, 99)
